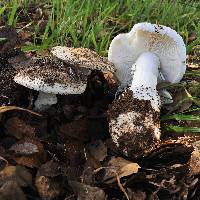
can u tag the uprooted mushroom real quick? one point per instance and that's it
(162, 41)
(150, 51)
(65, 74)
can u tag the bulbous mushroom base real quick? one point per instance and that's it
(134, 125)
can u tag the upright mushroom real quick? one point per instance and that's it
(162, 41)
(52, 76)
(134, 117)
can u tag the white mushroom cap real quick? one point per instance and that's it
(49, 78)
(83, 57)
(163, 41)
(39, 84)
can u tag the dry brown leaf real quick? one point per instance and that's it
(50, 169)
(76, 129)
(16, 173)
(29, 152)
(123, 167)
(19, 128)
(118, 166)
(83, 191)
(181, 101)
(28, 161)
(11, 190)
(194, 163)
(98, 150)
(47, 188)
(8, 108)
(128, 169)
(3, 163)
(27, 147)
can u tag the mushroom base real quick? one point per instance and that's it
(134, 125)
(44, 101)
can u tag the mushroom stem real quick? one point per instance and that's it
(44, 101)
(134, 117)
(145, 78)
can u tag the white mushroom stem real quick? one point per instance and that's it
(145, 79)
(44, 101)
(136, 128)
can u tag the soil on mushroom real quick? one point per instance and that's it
(52, 71)
(141, 139)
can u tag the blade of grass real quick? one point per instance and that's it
(181, 129)
(13, 13)
(181, 117)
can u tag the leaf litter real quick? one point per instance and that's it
(66, 153)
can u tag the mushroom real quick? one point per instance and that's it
(83, 57)
(160, 40)
(52, 76)
(134, 116)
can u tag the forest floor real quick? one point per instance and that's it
(66, 152)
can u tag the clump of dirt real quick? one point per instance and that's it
(9, 38)
(136, 134)
(126, 103)
(10, 91)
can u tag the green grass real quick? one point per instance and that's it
(93, 24)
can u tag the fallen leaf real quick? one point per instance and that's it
(11, 190)
(84, 192)
(47, 187)
(76, 129)
(27, 147)
(28, 161)
(194, 163)
(124, 167)
(98, 150)
(3, 163)
(9, 108)
(50, 169)
(19, 128)
(181, 101)
(16, 173)
(29, 153)
(48, 180)
(119, 166)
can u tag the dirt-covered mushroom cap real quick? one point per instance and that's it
(83, 57)
(163, 41)
(49, 76)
